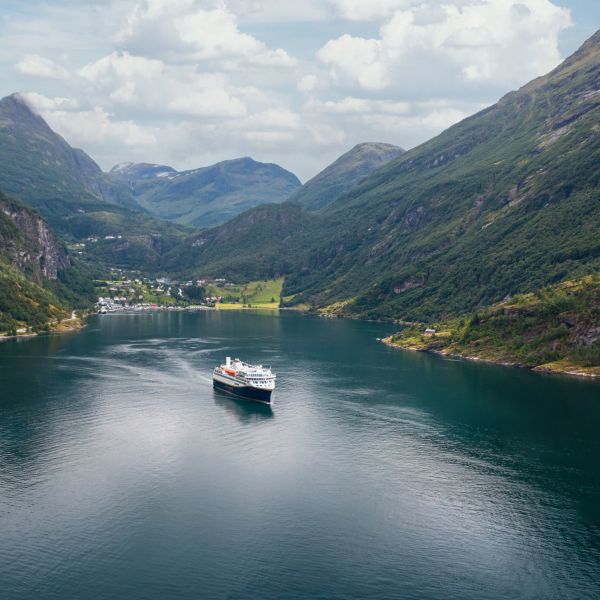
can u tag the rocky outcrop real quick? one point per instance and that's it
(28, 243)
(588, 335)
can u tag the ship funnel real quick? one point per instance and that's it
(228, 361)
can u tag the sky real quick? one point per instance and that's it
(188, 83)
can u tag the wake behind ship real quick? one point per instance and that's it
(254, 382)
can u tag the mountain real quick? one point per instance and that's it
(506, 201)
(207, 196)
(271, 226)
(343, 174)
(73, 194)
(36, 158)
(39, 282)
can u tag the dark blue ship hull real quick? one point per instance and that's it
(248, 392)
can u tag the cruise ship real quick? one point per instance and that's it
(254, 382)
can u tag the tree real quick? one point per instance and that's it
(195, 292)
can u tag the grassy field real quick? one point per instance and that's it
(239, 306)
(255, 294)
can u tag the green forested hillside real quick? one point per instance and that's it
(24, 303)
(556, 329)
(262, 243)
(344, 174)
(207, 196)
(39, 282)
(504, 202)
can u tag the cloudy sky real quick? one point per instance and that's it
(297, 82)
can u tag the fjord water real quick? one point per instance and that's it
(377, 474)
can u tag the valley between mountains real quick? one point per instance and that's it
(488, 234)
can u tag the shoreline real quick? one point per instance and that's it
(569, 370)
(66, 326)
(75, 324)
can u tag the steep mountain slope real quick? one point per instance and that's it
(27, 242)
(506, 201)
(62, 171)
(72, 193)
(38, 280)
(207, 196)
(343, 174)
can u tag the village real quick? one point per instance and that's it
(131, 292)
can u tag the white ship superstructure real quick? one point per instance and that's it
(254, 382)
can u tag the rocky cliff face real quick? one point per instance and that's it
(27, 242)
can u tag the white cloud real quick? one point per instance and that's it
(279, 11)
(119, 66)
(39, 66)
(418, 121)
(275, 118)
(356, 59)
(475, 40)
(402, 122)
(367, 10)
(190, 82)
(208, 102)
(189, 30)
(41, 103)
(142, 83)
(269, 139)
(352, 105)
(96, 126)
(308, 84)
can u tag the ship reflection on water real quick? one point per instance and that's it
(245, 410)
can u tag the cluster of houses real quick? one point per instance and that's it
(139, 293)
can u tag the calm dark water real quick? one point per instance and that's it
(378, 474)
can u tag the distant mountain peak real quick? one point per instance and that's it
(363, 145)
(17, 98)
(345, 173)
(124, 166)
(16, 107)
(130, 172)
(207, 195)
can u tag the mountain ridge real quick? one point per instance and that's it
(344, 173)
(205, 196)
